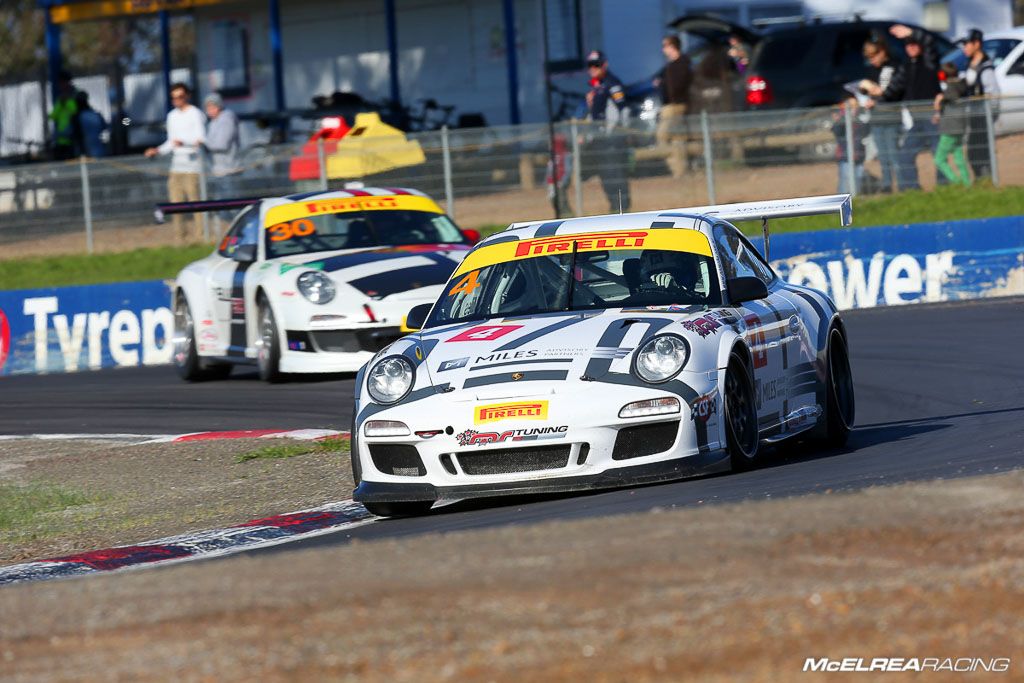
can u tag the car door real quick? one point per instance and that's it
(226, 281)
(768, 327)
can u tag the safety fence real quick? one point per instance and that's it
(497, 175)
(78, 328)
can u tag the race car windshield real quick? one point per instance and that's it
(360, 229)
(600, 279)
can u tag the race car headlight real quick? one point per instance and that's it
(316, 287)
(390, 379)
(661, 358)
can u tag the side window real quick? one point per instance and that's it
(739, 258)
(245, 230)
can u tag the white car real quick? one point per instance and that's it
(599, 352)
(316, 282)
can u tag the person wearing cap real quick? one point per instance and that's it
(980, 78)
(606, 103)
(186, 128)
(914, 80)
(221, 143)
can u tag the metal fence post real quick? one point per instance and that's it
(203, 196)
(83, 167)
(709, 161)
(990, 128)
(577, 168)
(851, 171)
(321, 160)
(446, 157)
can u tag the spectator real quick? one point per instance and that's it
(92, 127)
(712, 80)
(842, 158)
(676, 80)
(186, 128)
(65, 133)
(980, 81)
(952, 120)
(606, 103)
(885, 123)
(914, 80)
(222, 144)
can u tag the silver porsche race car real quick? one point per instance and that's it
(600, 352)
(314, 282)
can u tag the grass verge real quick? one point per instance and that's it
(942, 204)
(27, 505)
(290, 450)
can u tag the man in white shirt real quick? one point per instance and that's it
(186, 131)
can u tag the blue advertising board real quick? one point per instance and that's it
(75, 328)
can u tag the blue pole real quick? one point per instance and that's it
(511, 61)
(392, 29)
(165, 55)
(275, 49)
(54, 58)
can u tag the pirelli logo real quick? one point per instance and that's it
(350, 204)
(597, 241)
(526, 410)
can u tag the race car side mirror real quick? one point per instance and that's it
(245, 253)
(473, 236)
(417, 317)
(746, 289)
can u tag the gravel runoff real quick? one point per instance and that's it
(145, 492)
(722, 593)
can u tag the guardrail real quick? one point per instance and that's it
(499, 175)
(77, 328)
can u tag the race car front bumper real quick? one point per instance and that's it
(334, 350)
(581, 443)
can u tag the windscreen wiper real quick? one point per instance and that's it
(572, 275)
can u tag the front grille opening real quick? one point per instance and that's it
(398, 459)
(510, 460)
(581, 459)
(641, 440)
(447, 464)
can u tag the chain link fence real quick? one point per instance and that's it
(494, 176)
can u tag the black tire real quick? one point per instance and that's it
(190, 366)
(840, 406)
(406, 509)
(357, 471)
(268, 343)
(741, 435)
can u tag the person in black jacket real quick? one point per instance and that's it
(915, 80)
(885, 121)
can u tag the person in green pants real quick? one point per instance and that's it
(951, 116)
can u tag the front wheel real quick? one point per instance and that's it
(741, 436)
(407, 509)
(268, 348)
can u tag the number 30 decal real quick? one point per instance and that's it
(300, 227)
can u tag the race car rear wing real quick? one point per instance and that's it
(203, 206)
(778, 208)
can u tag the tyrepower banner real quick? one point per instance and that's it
(885, 266)
(66, 329)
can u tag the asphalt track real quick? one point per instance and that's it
(940, 394)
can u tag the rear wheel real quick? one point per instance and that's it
(268, 348)
(407, 509)
(741, 435)
(839, 402)
(190, 366)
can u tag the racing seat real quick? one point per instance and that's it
(359, 234)
(631, 271)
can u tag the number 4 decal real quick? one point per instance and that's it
(484, 333)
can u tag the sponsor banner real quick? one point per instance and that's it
(82, 328)
(522, 410)
(892, 265)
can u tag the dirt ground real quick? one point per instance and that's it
(733, 184)
(724, 593)
(144, 492)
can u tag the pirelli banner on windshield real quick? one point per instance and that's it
(905, 264)
(66, 329)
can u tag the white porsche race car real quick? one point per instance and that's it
(315, 282)
(599, 352)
